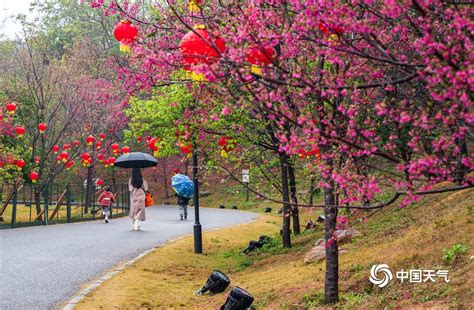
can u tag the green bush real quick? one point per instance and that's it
(452, 254)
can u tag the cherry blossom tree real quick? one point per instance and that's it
(382, 88)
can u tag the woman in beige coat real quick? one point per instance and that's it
(137, 187)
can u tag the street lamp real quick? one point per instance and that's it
(197, 224)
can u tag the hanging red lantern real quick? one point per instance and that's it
(37, 160)
(115, 148)
(330, 31)
(101, 157)
(34, 176)
(76, 142)
(195, 5)
(99, 182)
(198, 47)
(64, 156)
(69, 165)
(102, 136)
(259, 57)
(227, 145)
(139, 139)
(11, 107)
(20, 163)
(20, 131)
(126, 33)
(90, 140)
(55, 148)
(126, 149)
(42, 127)
(315, 152)
(186, 149)
(109, 162)
(66, 146)
(98, 145)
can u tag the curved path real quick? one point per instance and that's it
(41, 267)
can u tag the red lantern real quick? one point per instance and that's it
(90, 140)
(11, 107)
(76, 142)
(223, 141)
(69, 165)
(64, 156)
(34, 176)
(20, 163)
(67, 146)
(101, 157)
(331, 31)
(110, 162)
(259, 57)
(126, 33)
(114, 147)
(186, 149)
(126, 149)
(195, 5)
(55, 149)
(139, 139)
(37, 160)
(85, 156)
(42, 127)
(301, 153)
(98, 145)
(102, 136)
(99, 182)
(20, 131)
(196, 50)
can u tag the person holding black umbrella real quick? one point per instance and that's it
(138, 188)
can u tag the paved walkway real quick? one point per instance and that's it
(42, 267)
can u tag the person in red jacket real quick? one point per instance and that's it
(106, 199)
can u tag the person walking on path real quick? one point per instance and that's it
(106, 199)
(138, 188)
(183, 207)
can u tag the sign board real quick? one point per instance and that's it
(245, 176)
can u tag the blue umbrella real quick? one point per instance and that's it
(182, 185)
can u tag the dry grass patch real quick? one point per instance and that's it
(408, 238)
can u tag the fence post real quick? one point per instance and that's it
(15, 198)
(68, 203)
(46, 203)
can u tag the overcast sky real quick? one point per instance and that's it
(8, 8)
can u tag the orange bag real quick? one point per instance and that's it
(148, 200)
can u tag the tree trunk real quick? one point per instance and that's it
(285, 232)
(311, 191)
(461, 169)
(114, 182)
(186, 165)
(165, 177)
(293, 198)
(38, 204)
(331, 292)
(89, 189)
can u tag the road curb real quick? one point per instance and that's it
(86, 291)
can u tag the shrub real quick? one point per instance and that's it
(452, 254)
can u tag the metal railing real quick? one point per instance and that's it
(25, 205)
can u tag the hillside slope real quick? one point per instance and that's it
(410, 238)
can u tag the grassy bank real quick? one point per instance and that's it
(409, 238)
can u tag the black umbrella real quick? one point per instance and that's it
(136, 160)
